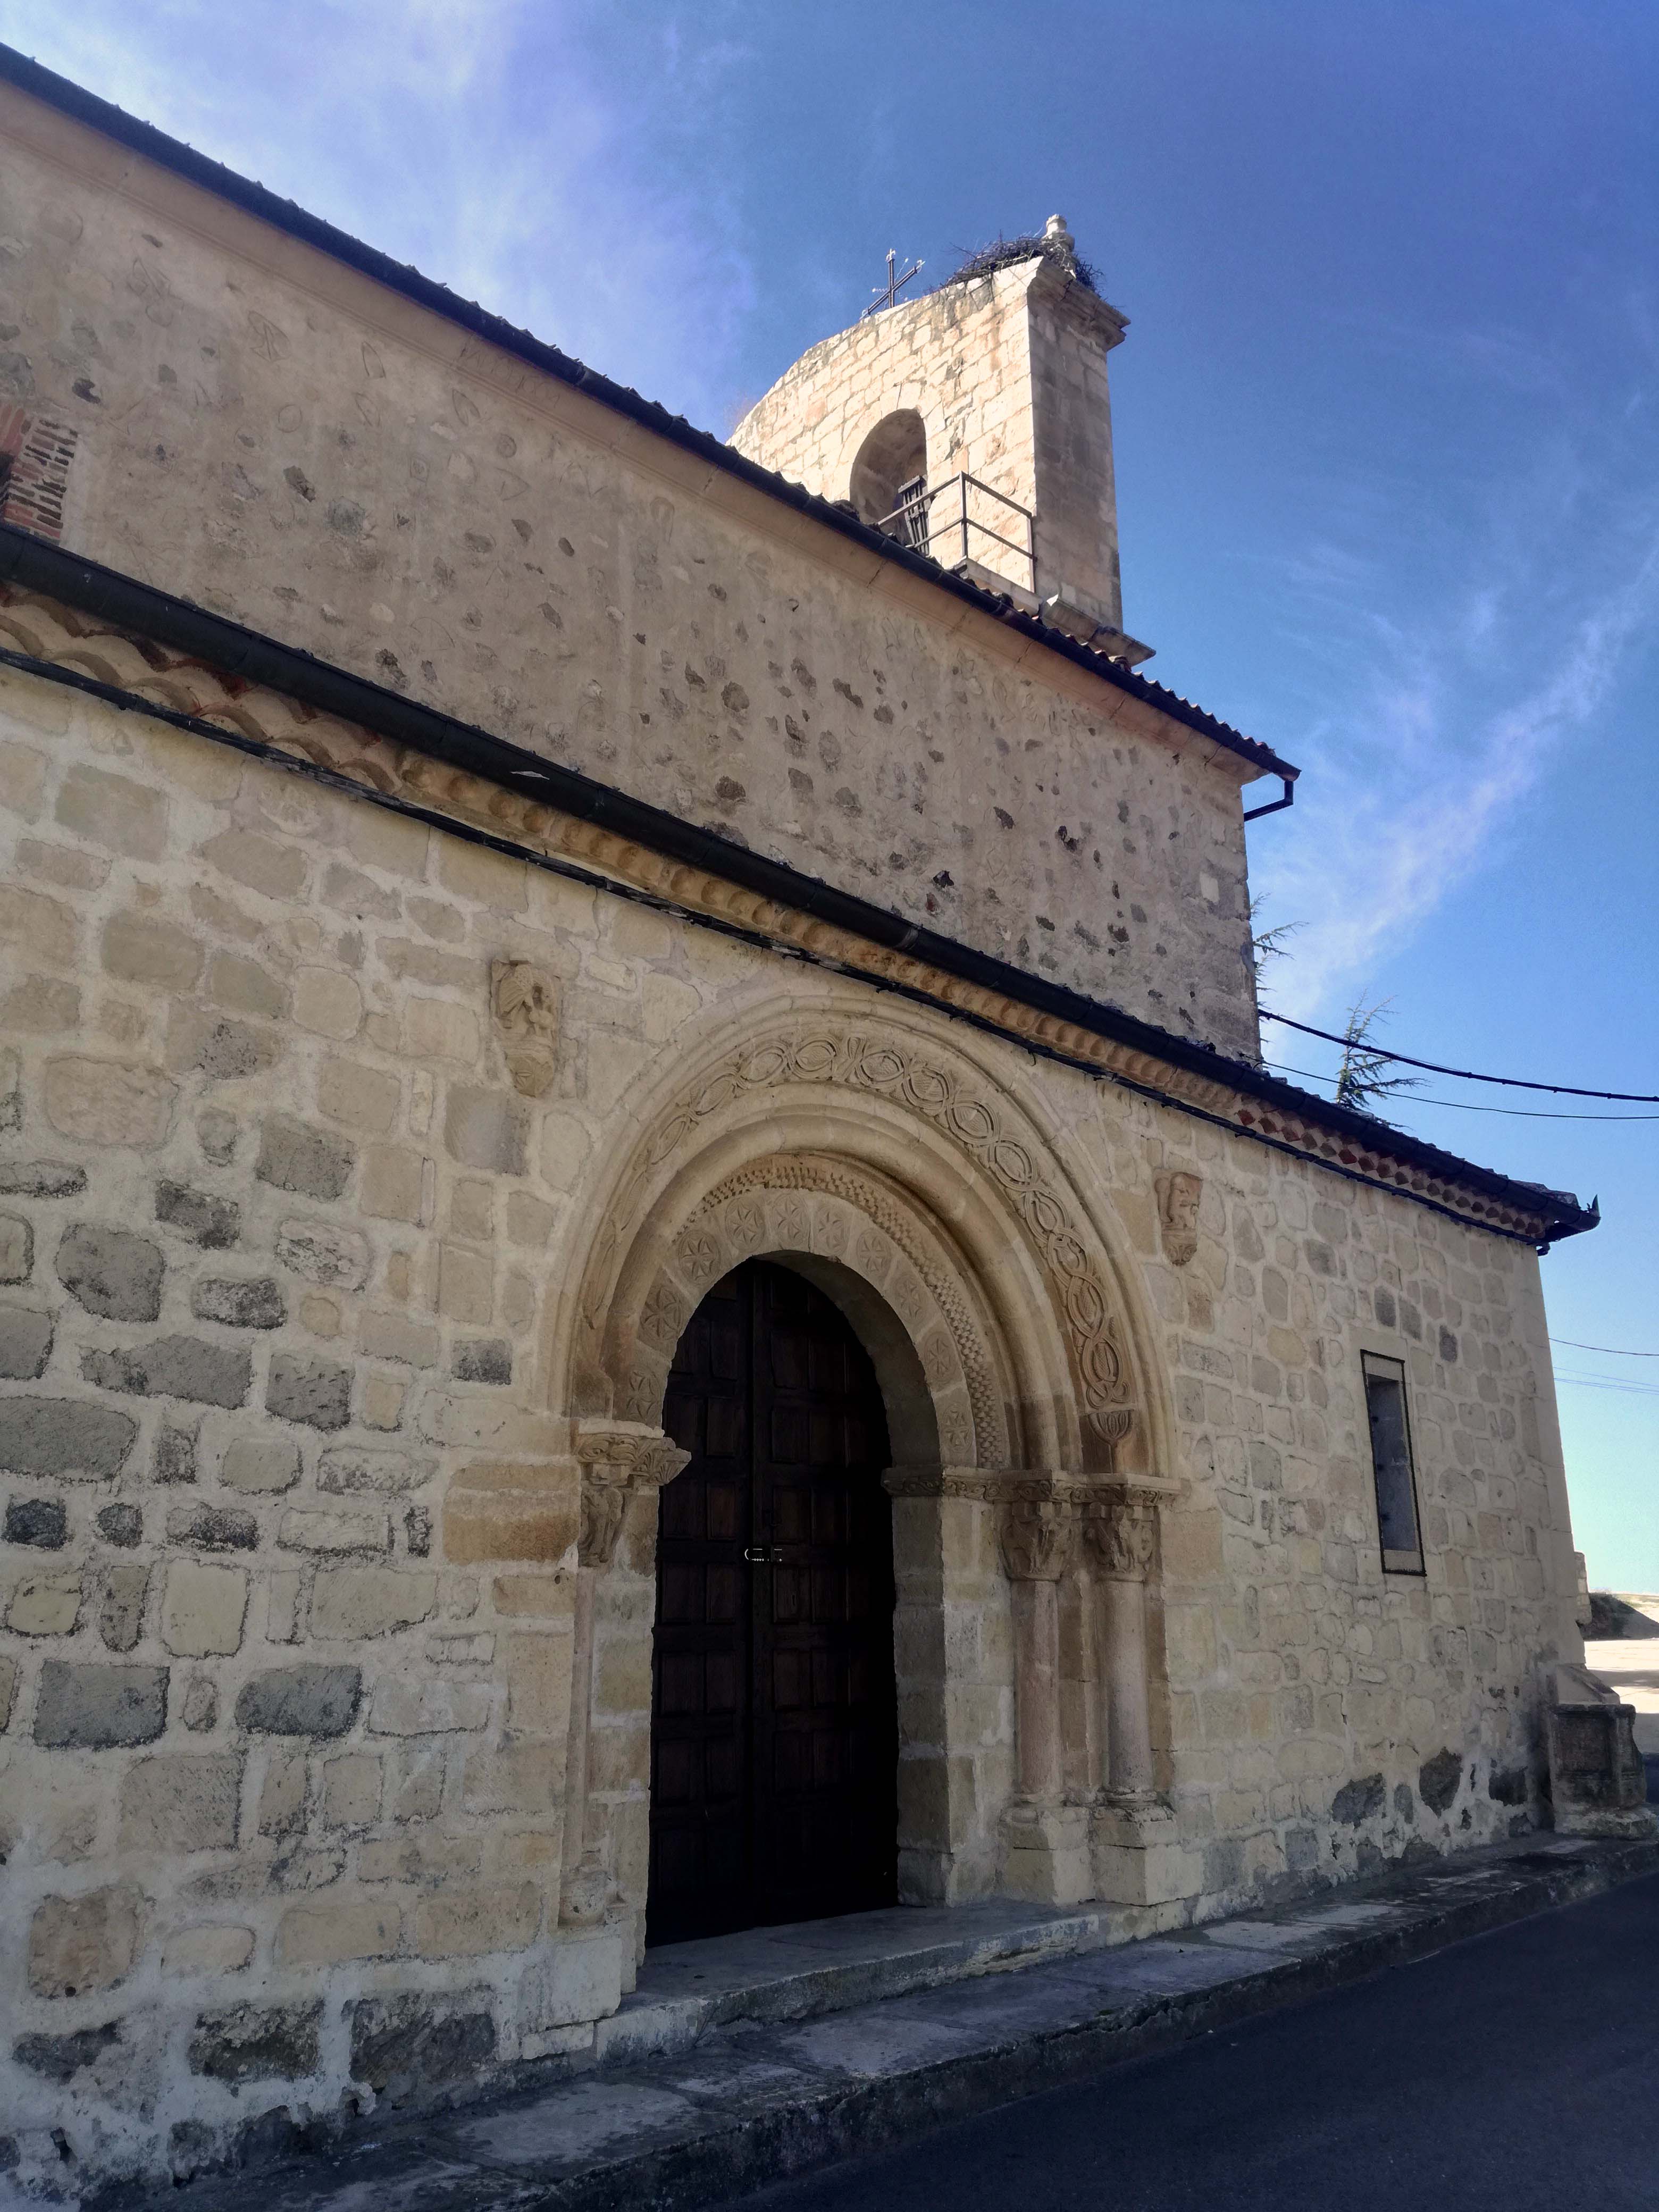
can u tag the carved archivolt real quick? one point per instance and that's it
(968, 1113)
(829, 1208)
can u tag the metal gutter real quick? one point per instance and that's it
(143, 612)
(143, 138)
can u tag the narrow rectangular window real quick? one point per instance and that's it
(1391, 1465)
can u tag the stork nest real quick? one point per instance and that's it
(1005, 252)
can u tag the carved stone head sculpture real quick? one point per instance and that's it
(1178, 1196)
(525, 1006)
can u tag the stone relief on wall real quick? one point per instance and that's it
(524, 1003)
(1178, 1196)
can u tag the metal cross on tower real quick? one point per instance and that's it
(886, 295)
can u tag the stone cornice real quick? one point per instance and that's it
(141, 673)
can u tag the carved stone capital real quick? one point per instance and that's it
(615, 1461)
(1120, 1532)
(1037, 1537)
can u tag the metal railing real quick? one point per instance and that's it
(937, 519)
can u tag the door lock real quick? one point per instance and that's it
(762, 1555)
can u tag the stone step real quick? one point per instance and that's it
(759, 2100)
(817, 1967)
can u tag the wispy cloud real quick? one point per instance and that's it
(502, 146)
(1460, 692)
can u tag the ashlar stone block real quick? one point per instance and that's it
(293, 1156)
(66, 1437)
(93, 1706)
(256, 1465)
(111, 1271)
(352, 1785)
(578, 1979)
(207, 1950)
(282, 1796)
(42, 1522)
(346, 1468)
(121, 1615)
(211, 1222)
(79, 1944)
(402, 1707)
(174, 1367)
(323, 1253)
(105, 1102)
(26, 1336)
(114, 811)
(349, 1602)
(315, 1393)
(17, 1248)
(45, 1604)
(181, 1802)
(256, 1303)
(469, 1923)
(204, 1609)
(322, 1931)
(307, 1529)
(259, 2043)
(305, 1700)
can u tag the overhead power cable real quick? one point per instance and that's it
(1470, 1105)
(1468, 1074)
(1612, 1349)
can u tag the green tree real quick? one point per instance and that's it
(1363, 1078)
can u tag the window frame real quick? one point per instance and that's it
(1388, 1368)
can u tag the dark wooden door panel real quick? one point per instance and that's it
(774, 1735)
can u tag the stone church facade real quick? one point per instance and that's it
(561, 989)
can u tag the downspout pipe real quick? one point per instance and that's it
(1276, 806)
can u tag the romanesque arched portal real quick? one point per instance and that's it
(896, 1174)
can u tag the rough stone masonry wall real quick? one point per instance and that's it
(283, 1772)
(273, 1234)
(1323, 1715)
(265, 432)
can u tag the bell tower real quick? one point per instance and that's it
(974, 423)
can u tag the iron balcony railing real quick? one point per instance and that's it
(947, 521)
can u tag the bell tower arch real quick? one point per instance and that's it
(974, 423)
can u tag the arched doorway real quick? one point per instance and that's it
(774, 1727)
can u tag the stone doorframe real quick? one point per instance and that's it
(907, 1184)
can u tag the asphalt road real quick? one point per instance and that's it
(1518, 2070)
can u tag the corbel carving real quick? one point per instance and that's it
(1179, 1194)
(524, 1001)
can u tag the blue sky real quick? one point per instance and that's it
(1385, 425)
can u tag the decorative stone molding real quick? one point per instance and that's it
(1002, 1153)
(56, 633)
(1179, 1194)
(827, 1207)
(524, 1002)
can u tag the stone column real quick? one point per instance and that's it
(1138, 1858)
(1122, 1535)
(1036, 1549)
(618, 1464)
(1048, 1856)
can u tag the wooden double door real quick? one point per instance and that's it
(774, 1750)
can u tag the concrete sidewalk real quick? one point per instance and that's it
(770, 2081)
